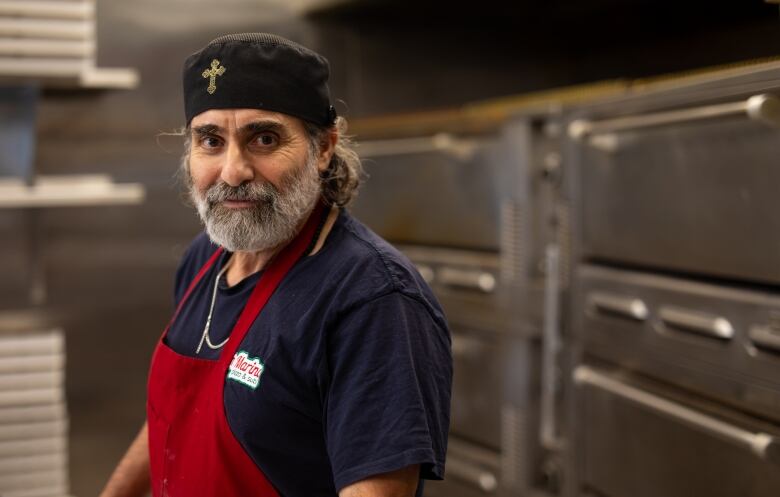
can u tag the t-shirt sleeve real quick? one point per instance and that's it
(388, 399)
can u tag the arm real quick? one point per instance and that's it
(131, 476)
(400, 483)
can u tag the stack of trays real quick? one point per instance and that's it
(54, 39)
(33, 417)
(45, 38)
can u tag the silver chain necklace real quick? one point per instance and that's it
(205, 338)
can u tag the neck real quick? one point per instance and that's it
(242, 264)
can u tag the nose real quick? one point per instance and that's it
(237, 168)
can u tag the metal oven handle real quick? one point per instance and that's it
(696, 322)
(765, 337)
(763, 108)
(626, 307)
(467, 278)
(474, 475)
(765, 446)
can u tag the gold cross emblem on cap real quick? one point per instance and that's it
(212, 74)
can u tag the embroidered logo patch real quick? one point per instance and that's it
(245, 369)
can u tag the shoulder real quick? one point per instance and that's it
(196, 255)
(362, 267)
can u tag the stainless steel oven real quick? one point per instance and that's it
(675, 365)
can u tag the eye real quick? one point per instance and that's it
(210, 142)
(266, 139)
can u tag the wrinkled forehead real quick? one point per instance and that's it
(238, 119)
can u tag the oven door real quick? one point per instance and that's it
(722, 342)
(643, 439)
(691, 187)
(425, 194)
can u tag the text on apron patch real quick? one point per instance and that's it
(245, 369)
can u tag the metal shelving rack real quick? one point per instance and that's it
(43, 44)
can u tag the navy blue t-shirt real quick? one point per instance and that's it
(356, 363)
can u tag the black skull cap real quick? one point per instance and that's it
(258, 71)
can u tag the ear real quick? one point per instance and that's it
(327, 148)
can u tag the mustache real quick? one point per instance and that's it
(248, 192)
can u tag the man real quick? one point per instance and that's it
(306, 356)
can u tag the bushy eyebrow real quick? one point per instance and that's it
(206, 129)
(261, 126)
(249, 128)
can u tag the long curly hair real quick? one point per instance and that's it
(342, 177)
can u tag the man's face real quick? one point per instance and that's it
(253, 176)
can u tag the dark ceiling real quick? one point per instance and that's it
(559, 17)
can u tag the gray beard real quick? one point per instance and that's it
(272, 222)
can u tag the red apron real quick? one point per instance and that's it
(193, 452)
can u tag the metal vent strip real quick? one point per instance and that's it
(513, 243)
(514, 446)
(33, 417)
